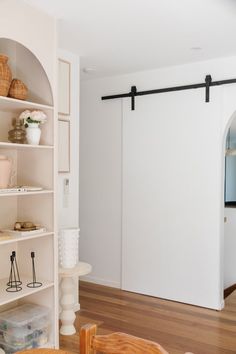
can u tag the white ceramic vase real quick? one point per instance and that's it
(33, 133)
(68, 247)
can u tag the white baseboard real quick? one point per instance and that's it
(100, 281)
(77, 307)
(222, 304)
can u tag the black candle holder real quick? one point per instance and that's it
(34, 283)
(14, 279)
(17, 281)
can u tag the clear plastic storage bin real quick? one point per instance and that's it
(10, 349)
(25, 326)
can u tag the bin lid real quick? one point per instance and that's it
(21, 315)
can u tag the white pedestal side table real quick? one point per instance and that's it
(67, 301)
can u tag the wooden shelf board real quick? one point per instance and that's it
(6, 297)
(24, 238)
(8, 104)
(6, 145)
(19, 194)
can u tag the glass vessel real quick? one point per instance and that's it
(17, 135)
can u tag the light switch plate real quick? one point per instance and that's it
(66, 192)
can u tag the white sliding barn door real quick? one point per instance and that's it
(171, 197)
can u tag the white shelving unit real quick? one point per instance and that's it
(32, 166)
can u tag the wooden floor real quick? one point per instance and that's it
(177, 327)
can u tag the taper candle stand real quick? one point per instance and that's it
(17, 281)
(34, 283)
(14, 282)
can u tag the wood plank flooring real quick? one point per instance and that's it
(177, 327)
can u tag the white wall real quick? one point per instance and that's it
(68, 206)
(100, 187)
(101, 170)
(68, 213)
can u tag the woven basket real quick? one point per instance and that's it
(5, 75)
(18, 90)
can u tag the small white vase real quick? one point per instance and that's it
(68, 247)
(33, 133)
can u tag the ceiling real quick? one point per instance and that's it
(121, 36)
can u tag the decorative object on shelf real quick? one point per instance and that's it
(68, 247)
(33, 133)
(34, 283)
(32, 120)
(17, 135)
(5, 171)
(18, 90)
(5, 75)
(18, 281)
(63, 145)
(24, 226)
(13, 284)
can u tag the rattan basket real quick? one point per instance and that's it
(5, 75)
(18, 90)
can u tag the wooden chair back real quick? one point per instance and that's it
(115, 343)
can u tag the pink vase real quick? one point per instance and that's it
(5, 171)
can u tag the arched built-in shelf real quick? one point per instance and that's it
(26, 67)
(32, 165)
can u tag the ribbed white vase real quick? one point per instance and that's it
(68, 247)
(33, 133)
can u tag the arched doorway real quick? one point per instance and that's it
(229, 259)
